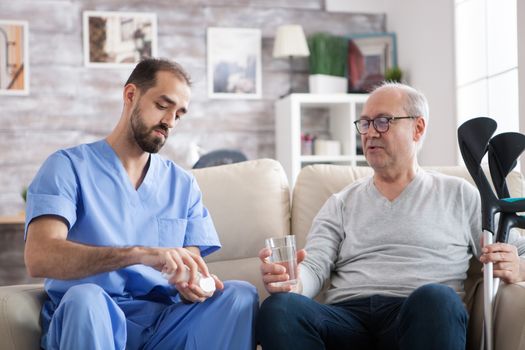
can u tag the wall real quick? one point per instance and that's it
(357, 6)
(69, 104)
(425, 32)
(425, 39)
(521, 72)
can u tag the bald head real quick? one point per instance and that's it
(412, 101)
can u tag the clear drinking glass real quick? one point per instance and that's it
(284, 253)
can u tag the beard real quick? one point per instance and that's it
(144, 136)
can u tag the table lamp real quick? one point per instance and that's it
(290, 42)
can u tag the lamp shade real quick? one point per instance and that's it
(290, 41)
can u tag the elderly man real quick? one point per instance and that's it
(105, 219)
(395, 246)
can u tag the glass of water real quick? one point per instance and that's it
(284, 253)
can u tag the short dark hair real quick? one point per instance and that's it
(144, 76)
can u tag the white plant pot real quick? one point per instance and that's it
(327, 84)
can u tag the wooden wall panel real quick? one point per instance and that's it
(70, 104)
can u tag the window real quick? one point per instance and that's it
(487, 61)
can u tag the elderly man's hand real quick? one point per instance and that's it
(272, 273)
(507, 263)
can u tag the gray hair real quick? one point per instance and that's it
(415, 103)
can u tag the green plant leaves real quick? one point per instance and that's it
(328, 54)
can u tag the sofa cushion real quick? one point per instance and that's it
(248, 202)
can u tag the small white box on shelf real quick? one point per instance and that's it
(327, 148)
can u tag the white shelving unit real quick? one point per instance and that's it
(343, 109)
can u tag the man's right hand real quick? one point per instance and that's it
(272, 273)
(178, 263)
(174, 262)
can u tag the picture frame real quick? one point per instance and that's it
(14, 57)
(118, 39)
(369, 56)
(234, 63)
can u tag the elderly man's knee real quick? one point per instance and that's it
(436, 300)
(280, 308)
(435, 294)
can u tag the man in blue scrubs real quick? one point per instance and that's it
(105, 219)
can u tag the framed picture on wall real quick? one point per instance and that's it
(14, 58)
(369, 56)
(234, 63)
(116, 39)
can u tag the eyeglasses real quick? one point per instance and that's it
(381, 123)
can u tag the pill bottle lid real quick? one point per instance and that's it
(207, 284)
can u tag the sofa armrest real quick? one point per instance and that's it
(20, 316)
(509, 317)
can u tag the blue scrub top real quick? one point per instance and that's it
(89, 188)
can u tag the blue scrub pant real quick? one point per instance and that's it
(432, 317)
(88, 318)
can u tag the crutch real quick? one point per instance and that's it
(474, 137)
(504, 151)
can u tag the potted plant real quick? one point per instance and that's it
(328, 56)
(394, 74)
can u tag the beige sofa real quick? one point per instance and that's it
(250, 201)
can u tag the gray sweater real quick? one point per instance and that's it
(367, 245)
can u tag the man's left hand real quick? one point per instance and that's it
(507, 263)
(192, 293)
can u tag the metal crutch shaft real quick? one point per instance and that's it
(488, 293)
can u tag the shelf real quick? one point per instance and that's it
(330, 159)
(12, 220)
(323, 100)
(340, 111)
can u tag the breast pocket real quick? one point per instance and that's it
(172, 232)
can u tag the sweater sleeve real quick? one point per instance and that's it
(322, 247)
(516, 238)
(471, 202)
